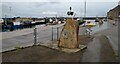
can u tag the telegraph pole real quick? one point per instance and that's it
(81, 18)
(10, 11)
(85, 12)
(5, 20)
(85, 9)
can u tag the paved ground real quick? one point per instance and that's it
(25, 37)
(40, 54)
(6, 35)
(99, 50)
(112, 35)
(43, 54)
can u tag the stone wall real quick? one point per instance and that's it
(113, 14)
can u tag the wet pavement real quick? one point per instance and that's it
(112, 34)
(42, 54)
(100, 27)
(92, 53)
(19, 38)
(99, 50)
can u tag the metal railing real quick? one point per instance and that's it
(30, 36)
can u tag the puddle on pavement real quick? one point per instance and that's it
(100, 27)
(95, 29)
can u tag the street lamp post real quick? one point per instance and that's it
(85, 12)
(10, 13)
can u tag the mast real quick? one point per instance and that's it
(10, 11)
(10, 14)
(85, 12)
(81, 18)
(85, 9)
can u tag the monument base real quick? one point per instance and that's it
(54, 45)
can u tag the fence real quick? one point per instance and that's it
(47, 33)
(30, 36)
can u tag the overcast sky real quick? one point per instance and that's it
(45, 8)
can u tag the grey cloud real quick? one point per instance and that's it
(35, 9)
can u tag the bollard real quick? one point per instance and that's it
(35, 36)
(52, 33)
(57, 33)
(88, 30)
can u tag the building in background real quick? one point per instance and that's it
(1, 21)
(114, 13)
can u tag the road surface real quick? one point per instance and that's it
(25, 37)
(99, 50)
